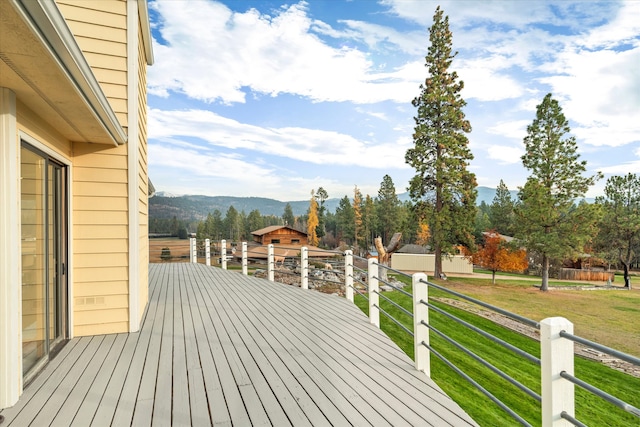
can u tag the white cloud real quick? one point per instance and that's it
(600, 91)
(505, 154)
(307, 145)
(516, 129)
(212, 53)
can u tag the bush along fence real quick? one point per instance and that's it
(367, 278)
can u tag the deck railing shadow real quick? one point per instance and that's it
(363, 277)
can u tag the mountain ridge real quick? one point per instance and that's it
(196, 207)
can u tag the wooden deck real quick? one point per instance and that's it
(220, 348)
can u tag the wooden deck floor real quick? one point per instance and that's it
(220, 348)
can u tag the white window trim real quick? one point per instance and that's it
(10, 260)
(61, 158)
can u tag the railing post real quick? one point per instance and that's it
(374, 299)
(348, 275)
(207, 251)
(556, 356)
(420, 317)
(304, 268)
(193, 250)
(244, 258)
(223, 254)
(270, 265)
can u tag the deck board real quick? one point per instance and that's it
(219, 348)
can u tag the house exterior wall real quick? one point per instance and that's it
(426, 263)
(285, 237)
(100, 186)
(81, 119)
(100, 29)
(143, 177)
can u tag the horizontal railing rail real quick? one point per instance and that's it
(363, 277)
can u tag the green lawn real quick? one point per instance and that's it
(589, 409)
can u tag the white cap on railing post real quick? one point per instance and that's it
(304, 268)
(270, 265)
(556, 356)
(420, 331)
(374, 299)
(223, 254)
(207, 251)
(244, 258)
(348, 275)
(193, 250)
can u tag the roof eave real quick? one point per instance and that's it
(48, 24)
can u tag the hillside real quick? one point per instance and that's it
(197, 207)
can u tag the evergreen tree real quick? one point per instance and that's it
(232, 224)
(345, 220)
(501, 211)
(321, 196)
(255, 221)
(174, 227)
(388, 209)
(548, 221)
(357, 216)
(620, 225)
(482, 224)
(312, 222)
(288, 217)
(441, 153)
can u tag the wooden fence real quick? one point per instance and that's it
(586, 275)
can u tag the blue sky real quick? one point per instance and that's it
(273, 99)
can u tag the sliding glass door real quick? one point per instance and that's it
(44, 257)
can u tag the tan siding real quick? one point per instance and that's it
(101, 274)
(97, 174)
(112, 77)
(29, 123)
(94, 217)
(97, 317)
(102, 36)
(103, 328)
(100, 246)
(103, 189)
(115, 91)
(92, 155)
(100, 203)
(143, 179)
(104, 47)
(101, 288)
(115, 7)
(87, 232)
(103, 31)
(100, 225)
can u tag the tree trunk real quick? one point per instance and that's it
(625, 266)
(437, 273)
(627, 279)
(545, 273)
(493, 277)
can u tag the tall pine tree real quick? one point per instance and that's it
(442, 186)
(620, 225)
(501, 210)
(548, 220)
(388, 209)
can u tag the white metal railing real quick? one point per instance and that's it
(557, 396)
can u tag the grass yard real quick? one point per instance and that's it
(609, 317)
(589, 409)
